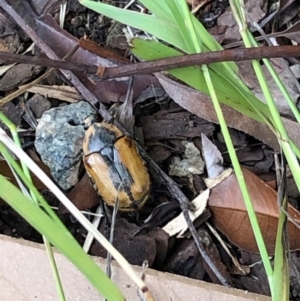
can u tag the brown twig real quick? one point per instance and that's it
(46, 62)
(26, 87)
(240, 54)
(184, 205)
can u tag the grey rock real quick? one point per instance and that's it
(59, 137)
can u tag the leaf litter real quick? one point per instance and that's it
(167, 131)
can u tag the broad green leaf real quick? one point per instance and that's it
(159, 27)
(182, 20)
(159, 8)
(60, 237)
(193, 76)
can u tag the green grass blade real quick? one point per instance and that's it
(279, 127)
(10, 160)
(280, 279)
(239, 174)
(55, 272)
(34, 198)
(13, 130)
(211, 44)
(41, 201)
(60, 238)
(278, 82)
(283, 90)
(183, 22)
(193, 76)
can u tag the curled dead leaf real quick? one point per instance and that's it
(231, 218)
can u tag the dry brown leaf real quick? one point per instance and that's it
(83, 195)
(293, 33)
(201, 105)
(6, 172)
(61, 42)
(187, 126)
(230, 214)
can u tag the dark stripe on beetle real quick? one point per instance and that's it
(119, 176)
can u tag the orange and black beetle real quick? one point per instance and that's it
(113, 162)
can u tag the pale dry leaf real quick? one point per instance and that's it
(178, 224)
(5, 68)
(212, 157)
(212, 182)
(64, 93)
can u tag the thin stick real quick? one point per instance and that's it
(26, 87)
(185, 60)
